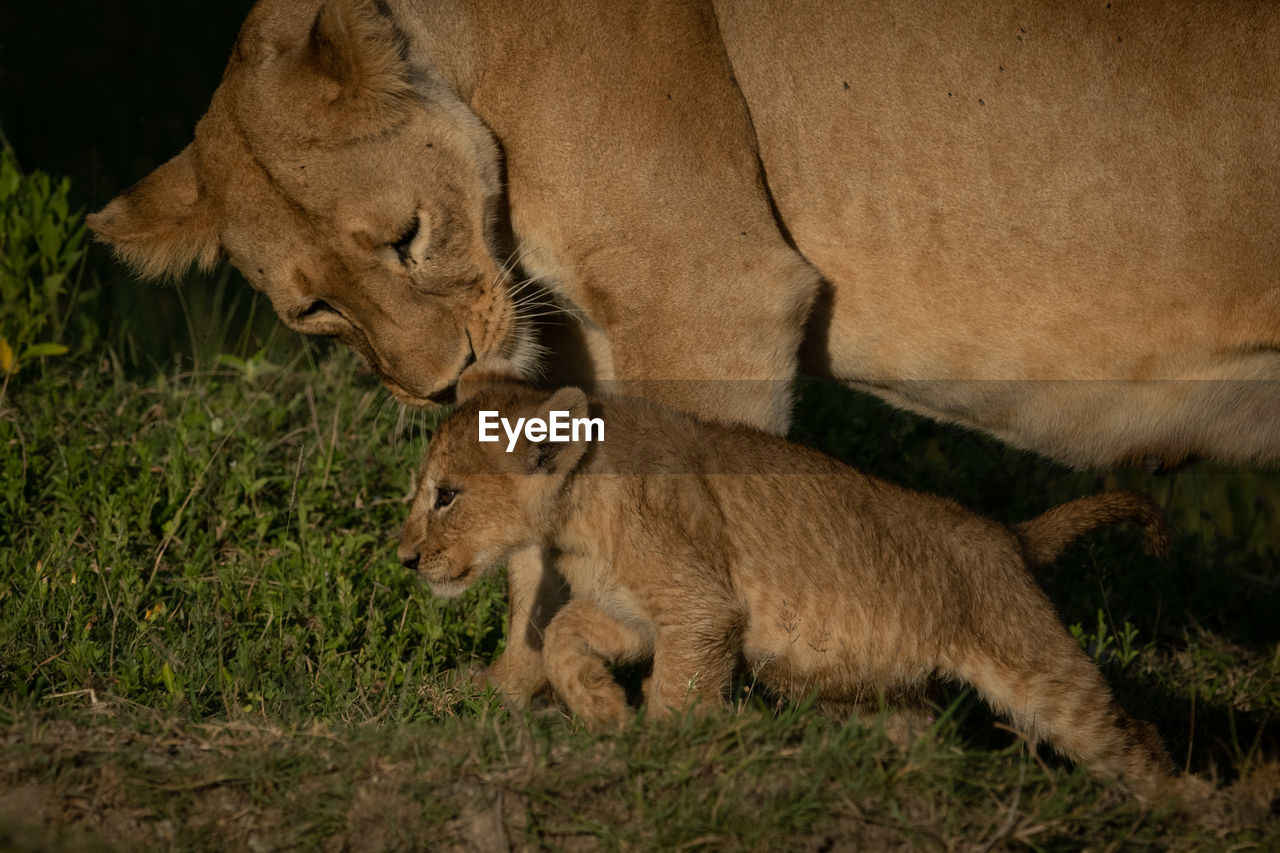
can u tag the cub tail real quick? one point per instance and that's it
(1044, 537)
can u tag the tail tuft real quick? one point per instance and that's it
(1044, 537)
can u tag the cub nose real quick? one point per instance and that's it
(409, 562)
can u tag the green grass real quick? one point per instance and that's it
(206, 642)
(207, 543)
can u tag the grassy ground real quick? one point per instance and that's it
(206, 642)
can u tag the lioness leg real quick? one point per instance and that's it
(580, 643)
(747, 349)
(535, 592)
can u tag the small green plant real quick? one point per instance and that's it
(41, 254)
(251, 368)
(1106, 645)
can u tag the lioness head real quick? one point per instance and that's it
(476, 501)
(348, 182)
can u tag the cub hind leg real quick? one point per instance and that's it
(1031, 669)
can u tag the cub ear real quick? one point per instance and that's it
(568, 399)
(559, 458)
(162, 224)
(487, 374)
(357, 44)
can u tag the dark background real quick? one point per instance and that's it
(103, 93)
(106, 91)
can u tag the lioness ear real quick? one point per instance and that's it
(162, 224)
(357, 44)
(559, 458)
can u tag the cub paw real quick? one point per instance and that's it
(518, 685)
(602, 710)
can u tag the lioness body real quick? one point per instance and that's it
(1038, 222)
(703, 546)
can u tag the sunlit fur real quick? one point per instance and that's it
(1055, 222)
(708, 548)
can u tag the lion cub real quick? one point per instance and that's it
(706, 546)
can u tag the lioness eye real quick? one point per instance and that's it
(444, 497)
(405, 240)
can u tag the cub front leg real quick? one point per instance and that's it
(535, 592)
(580, 643)
(693, 664)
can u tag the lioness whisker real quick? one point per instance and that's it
(544, 315)
(399, 428)
(519, 289)
(384, 400)
(532, 301)
(541, 304)
(505, 272)
(527, 282)
(529, 359)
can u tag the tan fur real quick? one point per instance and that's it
(703, 546)
(1056, 223)
(1044, 536)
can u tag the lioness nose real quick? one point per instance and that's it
(410, 562)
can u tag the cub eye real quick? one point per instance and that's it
(405, 240)
(445, 496)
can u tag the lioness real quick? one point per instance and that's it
(702, 546)
(1058, 222)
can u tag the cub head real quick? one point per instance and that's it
(479, 501)
(342, 174)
